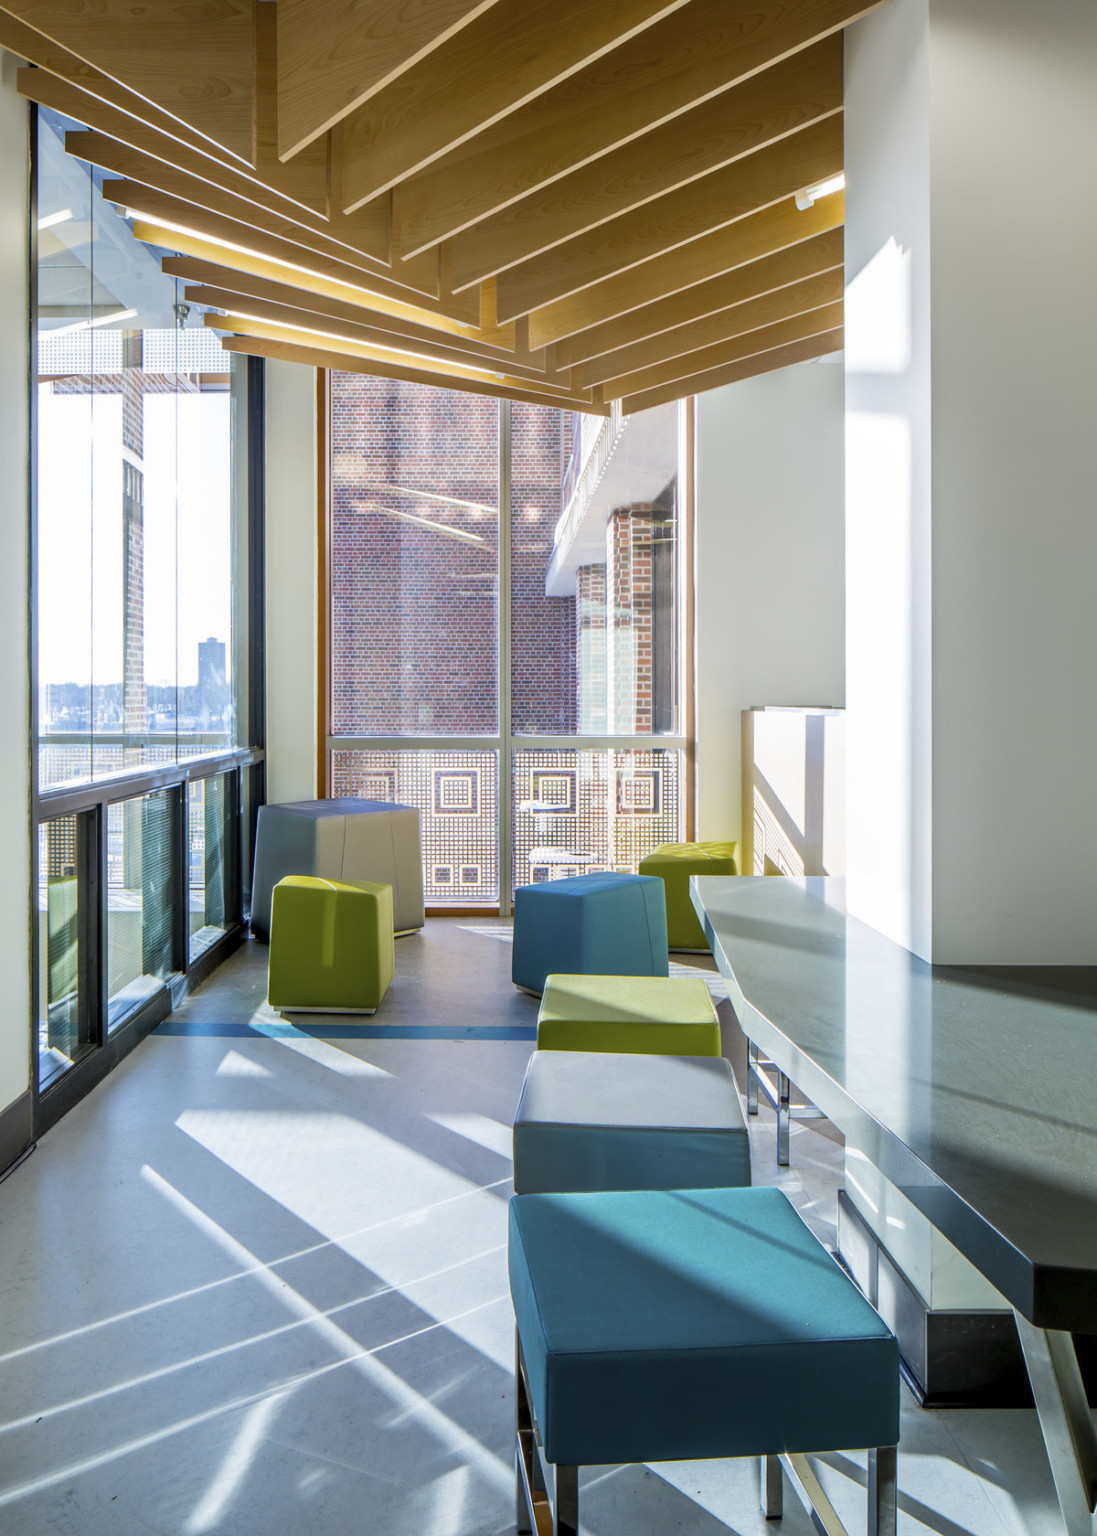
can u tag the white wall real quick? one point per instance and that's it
(15, 846)
(888, 465)
(768, 565)
(971, 155)
(291, 578)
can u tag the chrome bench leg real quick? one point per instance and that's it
(772, 1487)
(565, 1506)
(784, 1118)
(1065, 1421)
(882, 1492)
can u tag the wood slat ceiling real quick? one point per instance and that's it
(567, 201)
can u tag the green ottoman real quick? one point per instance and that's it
(331, 945)
(673, 863)
(648, 1015)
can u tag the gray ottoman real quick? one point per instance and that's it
(591, 1121)
(340, 840)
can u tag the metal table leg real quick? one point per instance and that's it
(1065, 1421)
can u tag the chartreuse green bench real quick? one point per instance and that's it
(682, 1325)
(674, 863)
(653, 1015)
(331, 945)
(587, 1120)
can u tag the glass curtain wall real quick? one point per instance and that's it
(451, 514)
(142, 616)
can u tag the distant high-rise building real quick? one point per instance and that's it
(211, 664)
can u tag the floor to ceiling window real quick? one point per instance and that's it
(506, 619)
(141, 507)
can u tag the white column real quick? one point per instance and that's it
(16, 749)
(291, 577)
(971, 332)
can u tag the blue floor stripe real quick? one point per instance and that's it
(208, 1029)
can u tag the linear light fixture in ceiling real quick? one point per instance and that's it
(90, 325)
(806, 198)
(60, 217)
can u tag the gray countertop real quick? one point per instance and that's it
(976, 1096)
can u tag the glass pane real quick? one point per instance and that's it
(137, 551)
(415, 560)
(208, 842)
(457, 795)
(594, 610)
(63, 1025)
(579, 812)
(140, 900)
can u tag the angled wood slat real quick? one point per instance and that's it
(337, 303)
(504, 58)
(718, 200)
(252, 275)
(297, 250)
(815, 322)
(778, 101)
(195, 61)
(822, 253)
(385, 332)
(673, 66)
(335, 54)
(239, 198)
(760, 234)
(383, 351)
(58, 63)
(318, 357)
(199, 157)
(309, 172)
(764, 362)
(685, 341)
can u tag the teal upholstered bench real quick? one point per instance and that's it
(588, 1120)
(682, 1325)
(606, 924)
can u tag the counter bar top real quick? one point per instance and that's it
(976, 1096)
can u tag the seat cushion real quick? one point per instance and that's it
(343, 839)
(673, 1325)
(653, 1015)
(331, 945)
(588, 1121)
(591, 923)
(674, 863)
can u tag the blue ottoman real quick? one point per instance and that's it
(659, 1325)
(602, 925)
(587, 1121)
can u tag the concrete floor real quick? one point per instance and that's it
(255, 1285)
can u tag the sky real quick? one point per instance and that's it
(187, 527)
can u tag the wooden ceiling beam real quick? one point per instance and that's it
(58, 63)
(194, 154)
(798, 298)
(201, 262)
(823, 253)
(195, 62)
(681, 62)
(335, 54)
(758, 235)
(794, 93)
(319, 357)
(767, 338)
(380, 332)
(233, 236)
(503, 59)
(363, 308)
(183, 173)
(765, 362)
(721, 199)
